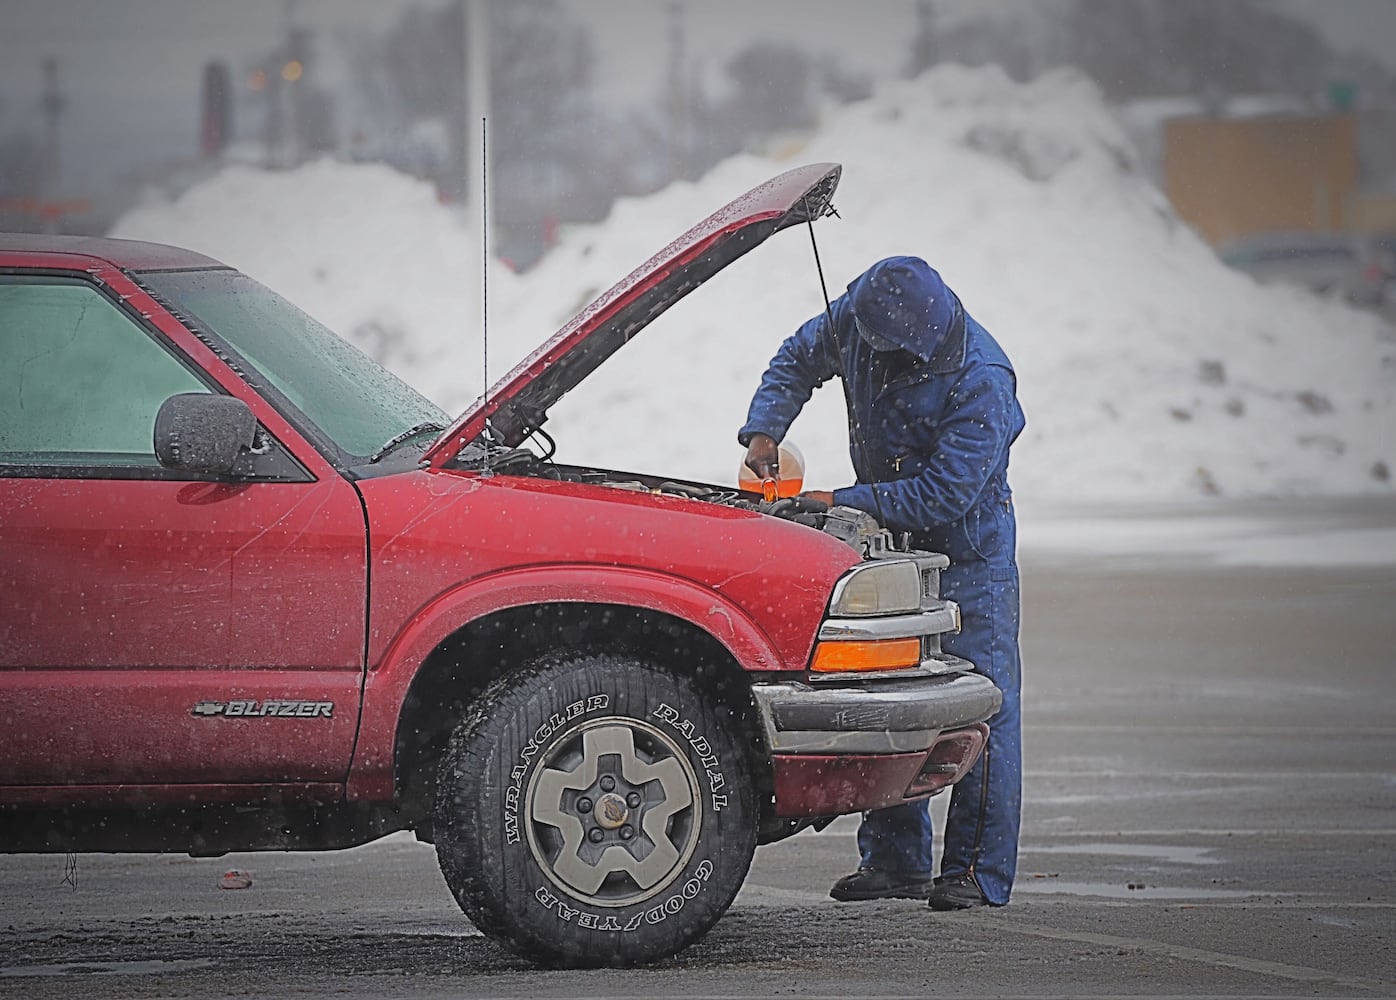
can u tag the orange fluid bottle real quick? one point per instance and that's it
(790, 481)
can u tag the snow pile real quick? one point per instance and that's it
(364, 249)
(1147, 369)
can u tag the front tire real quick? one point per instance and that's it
(596, 810)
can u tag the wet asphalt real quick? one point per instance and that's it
(1210, 810)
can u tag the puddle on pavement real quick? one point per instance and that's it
(1045, 886)
(1138, 889)
(1161, 852)
(147, 968)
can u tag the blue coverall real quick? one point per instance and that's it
(930, 428)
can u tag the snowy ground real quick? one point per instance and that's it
(1149, 372)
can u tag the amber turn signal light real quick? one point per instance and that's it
(853, 656)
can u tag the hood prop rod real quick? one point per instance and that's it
(853, 421)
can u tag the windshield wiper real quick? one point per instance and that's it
(411, 432)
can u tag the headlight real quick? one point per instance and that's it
(878, 588)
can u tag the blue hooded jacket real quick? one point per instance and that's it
(930, 422)
(932, 413)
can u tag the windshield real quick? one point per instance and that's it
(354, 401)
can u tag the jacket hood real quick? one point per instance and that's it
(902, 300)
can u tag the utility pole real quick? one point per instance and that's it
(678, 93)
(294, 72)
(475, 43)
(53, 104)
(925, 50)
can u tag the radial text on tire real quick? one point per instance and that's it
(596, 810)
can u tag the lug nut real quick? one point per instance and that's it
(633, 800)
(626, 833)
(608, 784)
(595, 834)
(584, 805)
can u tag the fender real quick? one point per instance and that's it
(387, 682)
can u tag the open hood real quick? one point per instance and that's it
(518, 403)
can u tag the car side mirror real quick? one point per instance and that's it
(203, 432)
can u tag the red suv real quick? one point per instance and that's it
(255, 594)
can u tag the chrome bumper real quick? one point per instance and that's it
(904, 715)
(941, 616)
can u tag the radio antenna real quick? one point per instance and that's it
(485, 282)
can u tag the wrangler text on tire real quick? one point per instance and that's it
(596, 810)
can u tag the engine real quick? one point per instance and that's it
(855, 528)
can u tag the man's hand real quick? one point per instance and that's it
(825, 497)
(763, 456)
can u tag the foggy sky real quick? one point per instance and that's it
(131, 68)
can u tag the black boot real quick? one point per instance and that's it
(874, 883)
(956, 892)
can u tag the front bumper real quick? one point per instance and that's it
(872, 744)
(904, 715)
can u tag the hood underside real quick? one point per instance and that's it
(518, 404)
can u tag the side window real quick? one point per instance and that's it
(80, 382)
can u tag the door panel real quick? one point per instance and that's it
(154, 630)
(124, 605)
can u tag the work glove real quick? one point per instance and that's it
(763, 456)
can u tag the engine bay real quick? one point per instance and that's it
(857, 529)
